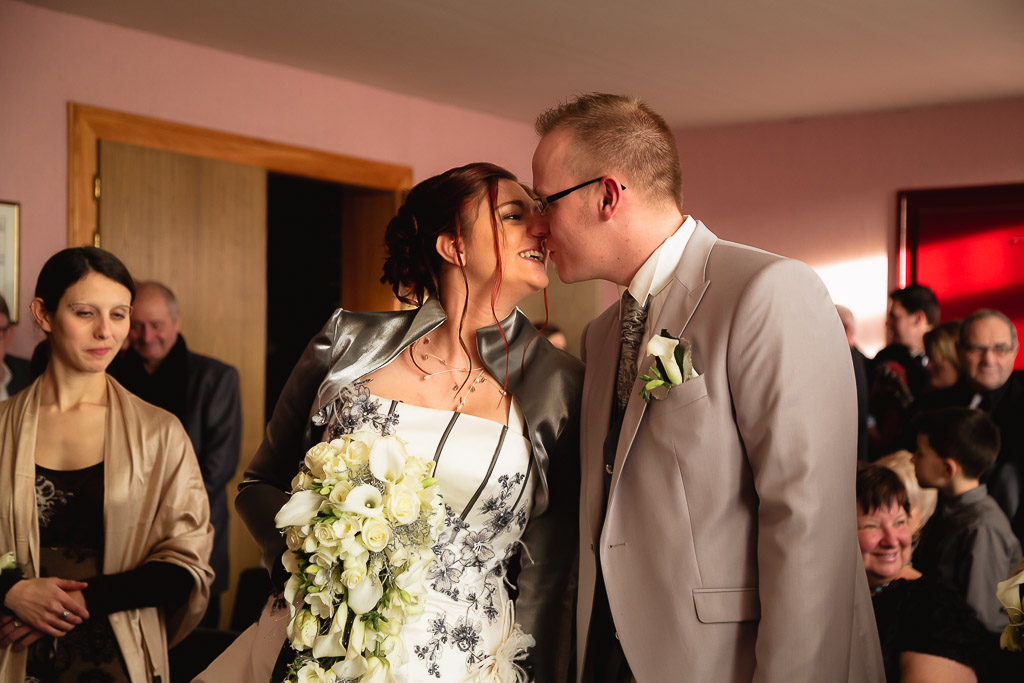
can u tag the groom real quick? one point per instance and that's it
(717, 524)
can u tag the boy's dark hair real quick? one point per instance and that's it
(965, 435)
(879, 488)
(916, 298)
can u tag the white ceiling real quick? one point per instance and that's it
(698, 62)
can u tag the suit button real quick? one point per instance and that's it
(591, 546)
(608, 469)
(616, 635)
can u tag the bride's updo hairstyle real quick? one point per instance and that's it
(434, 207)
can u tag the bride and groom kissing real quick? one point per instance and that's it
(672, 512)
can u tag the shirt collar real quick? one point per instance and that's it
(657, 270)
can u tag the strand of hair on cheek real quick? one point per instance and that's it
(492, 197)
(465, 303)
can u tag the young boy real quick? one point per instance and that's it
(968, 541)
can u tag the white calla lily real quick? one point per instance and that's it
(365, 595)
(364, 500)
(665, 350)
(387, 459)
(300, 509)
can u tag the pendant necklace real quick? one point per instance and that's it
(468, 386)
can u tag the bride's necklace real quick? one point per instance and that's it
(468, 387)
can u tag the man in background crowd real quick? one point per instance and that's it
(988, 348)
(202, 392)
(898, 373)
(14, 372)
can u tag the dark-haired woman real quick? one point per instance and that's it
(927, 632)
(101, 500)
(469, 384)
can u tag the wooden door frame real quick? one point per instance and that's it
(87, 125)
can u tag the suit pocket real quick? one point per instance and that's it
(718, 605)
(683, 395)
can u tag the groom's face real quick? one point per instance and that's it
(567, 223)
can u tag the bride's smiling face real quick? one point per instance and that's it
(523, 266)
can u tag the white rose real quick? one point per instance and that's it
(365, 595)
(303, 630)
(387, 459)
(293, 539)
(665, 349)
(344, 528)
(340, 492)
(403, 505)
(376, 534)
(315, 458)
(300, 509)
(324, 534)
(353, 577)
(325, 557)
(363, 500)
(357, 449)
(302, 481)
(416, 470)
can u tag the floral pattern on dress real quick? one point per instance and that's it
(47, 497)
(464, 569)
(471, 558)
(354, 408)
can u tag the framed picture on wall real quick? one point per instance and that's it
(10, 227)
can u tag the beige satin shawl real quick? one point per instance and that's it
(155, 509)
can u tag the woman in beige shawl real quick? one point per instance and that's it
(101, 499)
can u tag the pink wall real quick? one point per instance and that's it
(48, 59)
(824, 190)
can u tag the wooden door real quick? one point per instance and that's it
(199, 226)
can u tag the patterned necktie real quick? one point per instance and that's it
(633, 318)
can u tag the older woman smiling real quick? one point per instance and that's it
(926, 630)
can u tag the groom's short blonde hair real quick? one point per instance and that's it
(620, 134)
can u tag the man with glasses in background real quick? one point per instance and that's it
(14, 372)
(988, 349)
(718, 527)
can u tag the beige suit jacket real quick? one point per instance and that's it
(729, 546)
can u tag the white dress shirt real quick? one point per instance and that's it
(654, 276)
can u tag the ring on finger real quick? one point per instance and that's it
(64, 615)
(17, 624)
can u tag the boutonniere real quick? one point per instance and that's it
(673, 365)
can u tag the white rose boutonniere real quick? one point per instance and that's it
(7, 561)
(673, 365)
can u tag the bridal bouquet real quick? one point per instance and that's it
(360, 524)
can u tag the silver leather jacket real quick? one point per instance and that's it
(548, 386)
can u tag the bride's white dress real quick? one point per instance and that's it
(484, 471)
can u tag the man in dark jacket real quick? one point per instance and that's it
(202, 392)
(988, 348)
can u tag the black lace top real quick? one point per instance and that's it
(70, 509)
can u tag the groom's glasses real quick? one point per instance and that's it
(544, 202)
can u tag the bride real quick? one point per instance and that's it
(470, 385)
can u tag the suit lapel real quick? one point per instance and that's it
(598, 391)
(686, 290)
